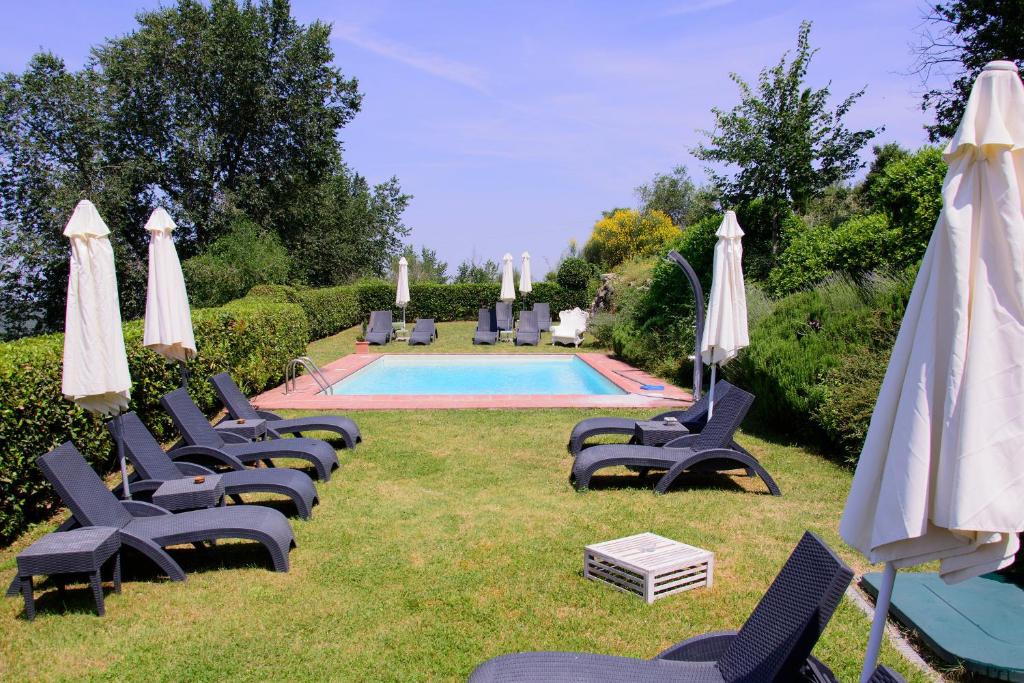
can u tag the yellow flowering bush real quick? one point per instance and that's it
(628, 233)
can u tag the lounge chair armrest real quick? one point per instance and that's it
(683, 441)
(267, 415)
(708, 647)
(186, 452)
(136, 508)
(231, 437)
(190, 469)
(139, 486)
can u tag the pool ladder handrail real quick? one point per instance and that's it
(312, 369)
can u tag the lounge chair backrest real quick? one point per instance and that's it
(781, 632)
(81, 488)
(486, 320)
(425, 325)
(142, 449)
(380, 321)
(726, 418)
(543, 312)
(190, 421)
(503, 311)
(232, 397)
(697, 414)
(528, 321)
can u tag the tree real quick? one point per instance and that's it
(673, 193)
(424, 267)
(470, 271)
(210, 110)
(957, 40)
(628, 233)
(787, 144)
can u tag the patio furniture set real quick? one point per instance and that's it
(188, 488)
(382, 330)
(497, 325)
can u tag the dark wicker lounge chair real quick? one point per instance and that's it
(486, 327)
(527, 334)
(380, 330)
(710, 450)
(148, 528)
(425, 332)
(773, 645)
(693, 418)
(239, 408)
(503, 311)
(884, 674)
(203, 440)
(543, 312)
(155, 467)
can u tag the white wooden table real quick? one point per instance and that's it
(649, 565)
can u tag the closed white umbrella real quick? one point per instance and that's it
(525, 278)
(508, 288)
(941, 476)
(95, 372)
(168, 325)
(402, 295)
(725, 330)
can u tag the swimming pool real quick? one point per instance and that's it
(480, 374)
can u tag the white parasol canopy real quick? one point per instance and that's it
(525, 278)
(402, 293)
(508, 288)
(725, 330)
(95, 371)
(941, 476)
(168, 326)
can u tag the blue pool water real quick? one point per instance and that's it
(476, 374)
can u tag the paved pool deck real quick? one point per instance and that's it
(306, 394)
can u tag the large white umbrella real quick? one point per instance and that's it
(168, 326)
(525, 278)
(95, 371)
(941, 475)
(508, 288)
(402, 295)
(725, 330)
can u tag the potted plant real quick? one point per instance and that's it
(362, 346)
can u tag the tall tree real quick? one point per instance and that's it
(787, 144)
(424, 266)
(671, 193)
(209, 109)
(469, 271)
(957, 39)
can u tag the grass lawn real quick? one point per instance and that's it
(454, 337)
(446, 538)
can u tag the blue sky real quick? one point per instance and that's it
(515, 124)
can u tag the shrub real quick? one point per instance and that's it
(243, 257)
(626, 234)
(799, 362)
(855, 247)
(253, 339)
(575, 273)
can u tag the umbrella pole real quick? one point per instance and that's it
(126, 491)
(183, 369)
(711, 391)
(878, 624)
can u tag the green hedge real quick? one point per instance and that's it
(333, 309)
(252, 338)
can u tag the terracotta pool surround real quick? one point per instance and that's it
(306, 395)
